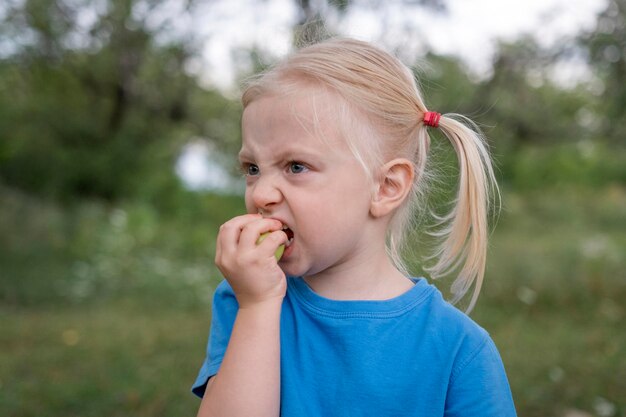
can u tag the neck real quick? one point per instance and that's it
(368, 275)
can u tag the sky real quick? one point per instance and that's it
(470, 29)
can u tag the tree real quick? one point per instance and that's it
(605, 46)
(525, 105)
(313, 15)
(95, 99)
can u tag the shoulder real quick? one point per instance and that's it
(472, 352)
(442, 313)
(455, 329)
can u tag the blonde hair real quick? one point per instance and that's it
(383, 107)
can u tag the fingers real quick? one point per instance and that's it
(252, 232)
(231, 230)
(271, 242)
(241, 234)
(228, 235)
(252, 270)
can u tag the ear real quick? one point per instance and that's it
(395, 179)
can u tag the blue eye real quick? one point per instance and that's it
(252, 169)
(297, 168)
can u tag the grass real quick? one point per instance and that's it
(554, 300)
(105, 310)
(109, 360)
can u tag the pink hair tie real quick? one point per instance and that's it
(431, 118)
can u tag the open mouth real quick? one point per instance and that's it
(290, 235)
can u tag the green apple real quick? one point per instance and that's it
(279, 252)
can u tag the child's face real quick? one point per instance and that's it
(314, 186)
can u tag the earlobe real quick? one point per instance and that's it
(393, 185)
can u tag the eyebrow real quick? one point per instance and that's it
(244, 155)
(283, 154)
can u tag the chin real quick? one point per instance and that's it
(293, 270)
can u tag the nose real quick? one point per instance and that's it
(265, 193)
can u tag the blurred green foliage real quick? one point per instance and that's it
(94, 252)
(105, 118)
(605, 48)
(106, 260)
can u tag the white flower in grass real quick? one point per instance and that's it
(604, 407)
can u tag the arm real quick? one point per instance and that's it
(248, 381)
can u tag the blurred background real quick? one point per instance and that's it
(119, 126)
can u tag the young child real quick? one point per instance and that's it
(335, 142)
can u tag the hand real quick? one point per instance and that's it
(250, 269)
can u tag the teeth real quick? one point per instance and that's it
(290, 241)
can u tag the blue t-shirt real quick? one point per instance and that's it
(413, 355)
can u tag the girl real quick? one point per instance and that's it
(334, 151)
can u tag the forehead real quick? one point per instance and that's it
(306, 118)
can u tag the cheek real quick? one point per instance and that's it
(335, 213)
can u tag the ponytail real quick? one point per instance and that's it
(463, 232)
